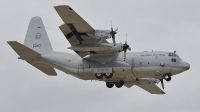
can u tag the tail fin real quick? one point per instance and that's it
(36, 37)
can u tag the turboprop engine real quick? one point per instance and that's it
(100, 34)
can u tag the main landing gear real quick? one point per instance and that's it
(167, 77)
(106, 75)
(117, 84)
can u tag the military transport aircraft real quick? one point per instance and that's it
(97, 59)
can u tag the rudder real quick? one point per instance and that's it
(36, 37)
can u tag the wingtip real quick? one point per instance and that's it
(61, 6)
(11, 42)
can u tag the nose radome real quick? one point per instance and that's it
(184, 65)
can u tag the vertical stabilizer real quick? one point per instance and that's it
(36, 37)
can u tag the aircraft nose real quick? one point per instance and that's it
(184, 65)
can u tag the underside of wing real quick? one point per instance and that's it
(151, 88)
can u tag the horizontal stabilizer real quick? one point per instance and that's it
(32, 57)
(44, 68)
(24, 52)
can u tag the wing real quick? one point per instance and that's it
(72, 19)
(79, 34)
(151, 88)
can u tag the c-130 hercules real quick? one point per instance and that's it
(97, 59)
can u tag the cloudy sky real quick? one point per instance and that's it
(165, 25)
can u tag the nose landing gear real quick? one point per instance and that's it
(167, 77)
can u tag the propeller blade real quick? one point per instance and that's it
(161, 80)
(124, 55)
(116, 30)
(112, 33)
(114, 42)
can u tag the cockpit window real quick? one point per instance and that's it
(172, 55)
(178, 57)
(173, 60)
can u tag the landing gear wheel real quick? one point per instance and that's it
(108, 75)
(99, 76)
(167, 77)
(119, 84)
(109, 85)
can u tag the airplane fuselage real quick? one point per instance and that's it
(137, 65)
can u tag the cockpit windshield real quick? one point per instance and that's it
(178, 57)
(172, 54)
(175, 55)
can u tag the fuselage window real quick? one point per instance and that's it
(173, 60)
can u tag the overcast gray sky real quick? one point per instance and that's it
(165, 25)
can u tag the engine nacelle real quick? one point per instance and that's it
(100, 34)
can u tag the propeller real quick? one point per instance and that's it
(125, 47)
(112, 33)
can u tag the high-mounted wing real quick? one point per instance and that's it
(81, 36)
(72, 19)
(151, 88)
